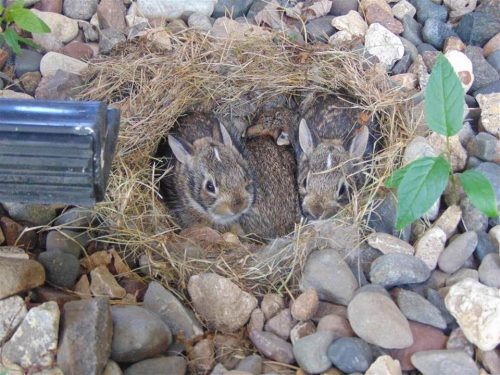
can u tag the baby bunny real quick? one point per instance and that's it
(275, 123)
(211, 184)
(332, 138)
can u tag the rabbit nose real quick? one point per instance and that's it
(314, 210)
(239, 204)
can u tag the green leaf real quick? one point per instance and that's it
(28, 42)
(444, 99)
(11, 40)
(27, 20)
(395, 179)
(422, 184)
(480, 192)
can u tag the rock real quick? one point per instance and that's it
(484, 73)
(458, 341)
(489, 270)
(430, 246)
(12, 312)
(66, 241)
(374, 13)
(342, 7)
(19, 275)
(403, 8)
(202, 355)
(87, 330)
(490, 360)
(457, 252)
(491, 88)
(14, 233)
(111, 15)
(383, 44)
(251, 364)
(62, 269)
(61, 85)
(412, 30)
(383, 218)
(112, 368)
(78, 50)
(281, 324)
(302, 329)
(320, 29)
(453, 43)
(54, 61)
(388, 244)
(398, 269)
(485, 246)
(75, 218)
(448, 221)
(462, 274)
(15, 252)
(417, 308)
(352, 22)
(199, 22)
(256, 321)
(34, 343)
(493, 45)
(62, 30)
(472, 218)
(336, 324)
(271, 346)
(220, 302)
(444, 362)
(306, 305)
(377, 320)
(476, 306)
(25, 62)
(434, 297)
(235, 8)
(402, 66)
(159, 365)
(109, 39)
(490, 113)
(137, 334)
(494, 235)
(29, 81)
(427, 9)
(327, 273)
(418, 147)
(435, 32)
(478, 27)
(104, 284)
(219, 369)
(172, 9)
(54, 6)
(350, 354)
(311, 352)
(384, 365)
(494, 60)
(90, 32)
(80, 9)
(485, 146)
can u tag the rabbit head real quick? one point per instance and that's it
(212, 177)
(325, 170)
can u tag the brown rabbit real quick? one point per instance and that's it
(274, 122)
(331, 139)
(211, 184)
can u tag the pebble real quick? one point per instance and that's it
(417, 308)
(383, 44)
(25, 62)
(172, 9)
(220, 302)
(403, 8)
(478, 27)
(350, 354)
(54, 6)
(328, 273)
(472, 218)
(489, 270)
(173, 313)
(427, 9)
(412, 31)
(199, 22)
(374, 13)
(491, 88)
(29, 81)
(79, 9)
(66, 241)
(336, 324)
(444, 362)
(398, 269)
(389, 244)
(300, 330)
(53, 61)
(137, 334)
(402, 66)
(235, 8)
(384, 365)
(435, 32)
(376, 319)
(281, 324)
(78, 50)
(159, 365)
(111, 15)
(430, 246)
(458, 341)
(457, 252)
(311, 352)
(85, 343)
(36, 214)
(494, 60)
(306, 305)
(485, 146)
(490, 360)
(434, 297)
(12, 312)
(484, 73)
(103, 283)
(109, 38)
(494, 235)
(462, 274)
(202, 356)
(272, 347)
(352, 22)
(485, 246)
(453, 43)
(251, 364)
(61, 269)
(19, 275)
(61, 85)
(383, 218)
(320, 29)
(112, 368)
(75, 218)
(62, 30)
(448, 221)
(477, 310)
(257, 320)
(342, 7)
(34, 343)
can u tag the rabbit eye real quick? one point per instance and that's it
(342, 190)
(209, 185)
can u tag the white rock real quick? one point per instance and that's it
(200, 22)
(384, 365)
(388, 244)
(402, 9)
(133, 18)
(462, 66)
(340, 37)
(494, 234)
(227, 28)
(458, 153)
(430, 246)
(385, 45)
(172, 9)
(12, 312)
(476, 307)
(62, 30)
(54, 61)
(449, 219)
(490, 112)
(417, 148)
(352, 22)
(11, 94)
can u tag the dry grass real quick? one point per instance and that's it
(154, 87)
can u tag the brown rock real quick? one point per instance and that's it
(453, 43)
(3, 57)
(271, 304)
(256, 321)
(272, 346)
(490, 360)
(327, 308)
(12, 252)
(424, 338)
(99, 258)
(302, 329)
(388, 244)
(134, 287)
(111, 14)
(2, 237)
(82, 287)
(30, 81)
(54, 6)
(45, 294)
(78, 50)
(492, 45)
(337, 324)
(60, 86)
(229, 350)
(449, 219)
(306, 305)
(19, 275)
(202, 356)
(14, 235)
(376, 14)
(204, 236)
(104, 284)
(406, 81)
(281, 324)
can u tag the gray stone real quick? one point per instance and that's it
(494, 60)
(410, 49)
(85, 343)
(37, 214)
(320, 29)
(491, 88)
(12, 312)
(251, 364)
(159, 365)
(19, 275)
(484, 246)
(435, 32)
(342, 7)
(172, 9)
(173, 313)
(417, 308)
(425, 47)
(398, 269)
(199, 22)
(350, 354)
(75, 218)
(281, 324)
(62, 269)
(303, 329)
(472, 218)
(484, 73)
(109, 38)
(34, 343)
(311, 352)
(485, 146)
(444, 362)
(402, 65)
(137, 334)
(27, 61)
(458, 341)
(489, 270)
(478, 27)
(271, 304)
(327, 273)
(427, 9)
(234, 8)
(383, 218)
(271, 346)
(437, 300)
(412, 31)
(462, 274)
(80, 9)
(457, 252)
(66, 241)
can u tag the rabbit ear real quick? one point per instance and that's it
(305, 138)
(181, 149)
(359, 142)
(221, 134)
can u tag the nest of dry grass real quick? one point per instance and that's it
(153, 87)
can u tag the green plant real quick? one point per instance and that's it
(420, 183)
(22, 18)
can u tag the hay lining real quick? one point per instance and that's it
(154, 87)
